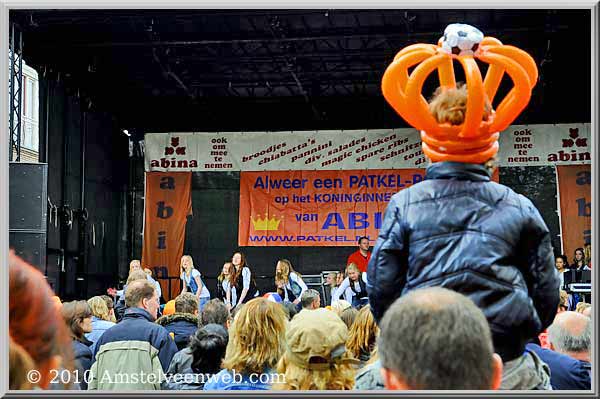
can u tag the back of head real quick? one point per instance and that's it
(98, 307)
(348, 316)
(571, 333)
(308, 297)
(208, 347)
(214, 312)
(340, 305)
(186, 302)
(136, 275)
(316, 357)
(363, 334)
(437, 339)
(449, 105)
(289, 309)
(73, 314)
(138, 290)
(35, 320)
(582, 306)
(257, 337)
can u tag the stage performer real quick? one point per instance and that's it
(192, 282)
(458, 229)
(290, 285)
(361, 256)
(224, 284)
(353, 287)
(242, 280)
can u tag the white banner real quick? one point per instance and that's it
(520, 145)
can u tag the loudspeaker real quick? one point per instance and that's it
(28, 205)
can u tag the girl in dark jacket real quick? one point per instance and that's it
(78, 317)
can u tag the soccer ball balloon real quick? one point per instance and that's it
(273, 297)
(461, 39)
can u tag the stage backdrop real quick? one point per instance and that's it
(317, 208)
(168, 203)
(574, 184)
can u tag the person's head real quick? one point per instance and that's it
(135, 264)
(238, 259)
(215, 312)
(348, 316)
(148, 271)
(571, 334)
(226, 271)
(283, 270)
(437, 339)
(339, 278)
(353, 272)
(99, 309)
(78, 317)
(142, 294)
(563, 303)
(587, 312)
(363, 243)
(315, 357)
(19, 366)
(339, 306)
(187, 264)
(363, 334)
(186, 302)
(331, 279)
(582, 306)
(136, 275)
(290, 309)
(256, 337)
(208, 347)
(111, 307)
(35, 321)
(449, 105)
(310, 299)
(561, 262)
(579, 256)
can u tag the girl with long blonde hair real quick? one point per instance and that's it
(193, 280)
(256, 342)
(289, 282)
(363, 335)
(101, 320)
(354, 287)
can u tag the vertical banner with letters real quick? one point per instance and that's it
(574, 185)
(168, 203)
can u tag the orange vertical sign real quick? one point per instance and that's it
(168, 203)
(574, 185)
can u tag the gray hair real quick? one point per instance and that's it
(308, 297)
(567, 337)
(437, 339)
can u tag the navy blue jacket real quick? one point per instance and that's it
(137, 325)
(566, 373)
(83, 359)
(182, 325)
(459, 230)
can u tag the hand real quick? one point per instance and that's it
(297, 301)
(111, 291)
(229, 307)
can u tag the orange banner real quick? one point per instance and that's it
(168, 203)
(316, 208)
(574, 185)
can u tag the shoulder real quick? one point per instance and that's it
(195, 273)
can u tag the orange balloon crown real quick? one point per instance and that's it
(476, 139)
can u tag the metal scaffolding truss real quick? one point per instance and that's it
(15, 91)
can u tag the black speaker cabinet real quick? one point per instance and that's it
(28, 205)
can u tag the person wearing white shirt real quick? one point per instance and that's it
(354, 287)
(193, 280)
(135, 264)
(289, 282)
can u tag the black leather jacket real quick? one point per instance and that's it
(459, 230)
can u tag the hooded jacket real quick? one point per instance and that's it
(459, 230)
(182, 325)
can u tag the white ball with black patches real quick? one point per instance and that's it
(461, 39)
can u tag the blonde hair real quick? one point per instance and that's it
(284, 275)
(136, 275)
(340, 305)
(339, 376)
(581, 306)
(449, 105)
(256, 337)
(99, 308)
(363, 333)
(148, 271)
(182, 270)
(221, 276)
(564, 299)
(133, 262)
(352, 267)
